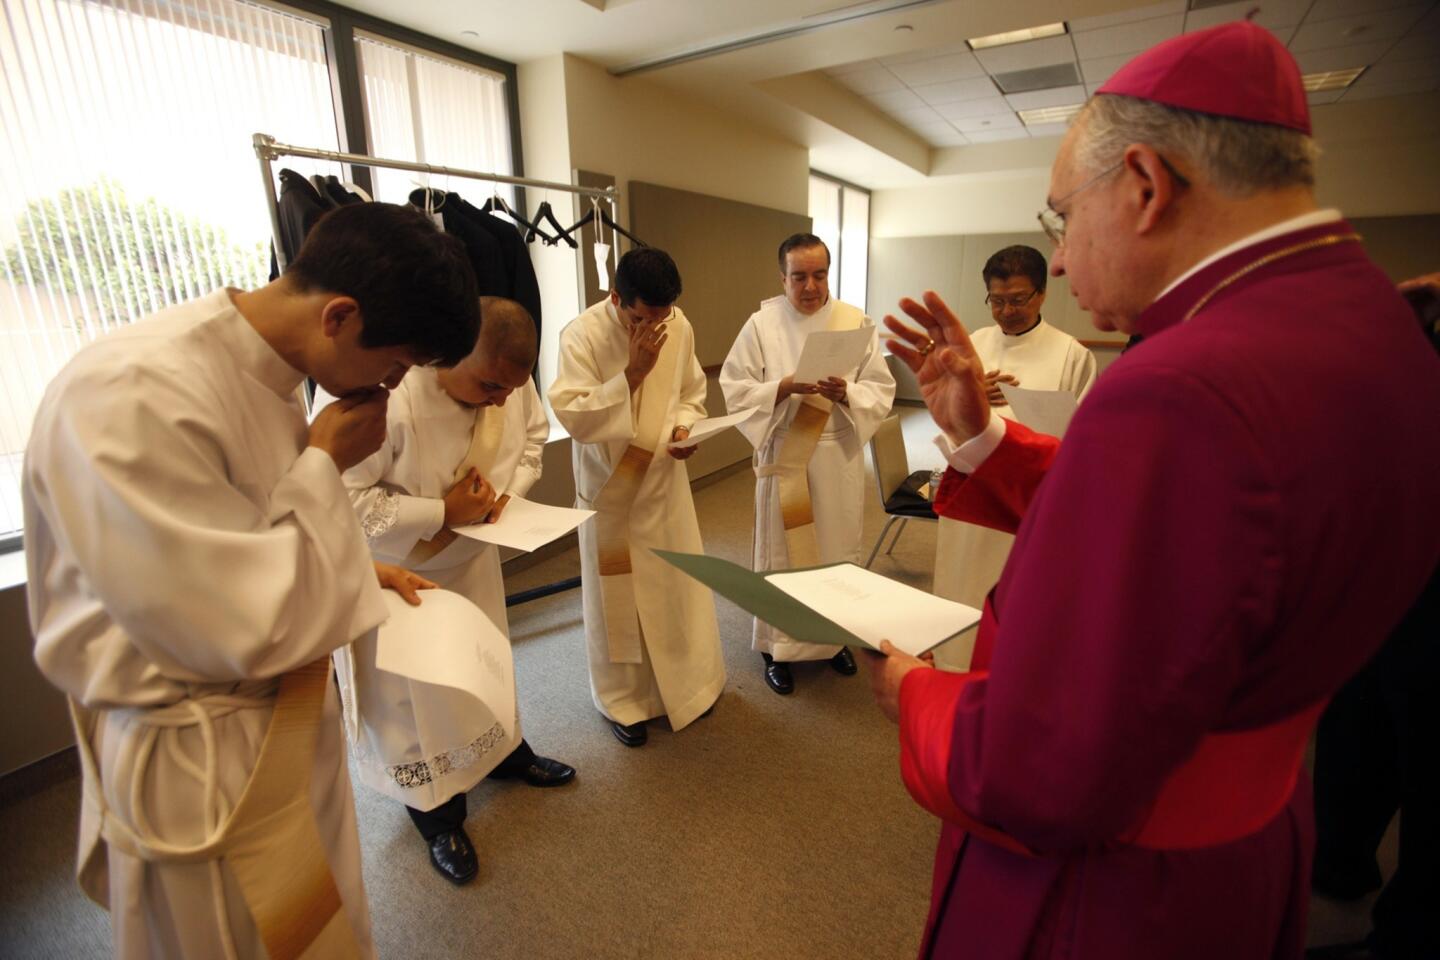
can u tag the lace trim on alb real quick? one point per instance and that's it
(531, 463)
(382, 516)
(427, 771)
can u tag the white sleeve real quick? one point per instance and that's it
(206, 585)
(592, 410)
(537, 431)
(968, 456)
(743, 381)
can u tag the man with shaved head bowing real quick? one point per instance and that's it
(460, 443)
(1226, 534)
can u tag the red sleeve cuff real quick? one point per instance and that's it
(998, 494)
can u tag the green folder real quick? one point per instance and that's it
(754, 594)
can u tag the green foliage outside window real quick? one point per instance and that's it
(126, 258)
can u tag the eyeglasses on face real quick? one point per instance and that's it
(1052, 221)
(1015, 303)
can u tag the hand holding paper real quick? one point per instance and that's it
(710, 427)
(526, 525)
(832, 353)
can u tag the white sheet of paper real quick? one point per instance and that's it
(832, 353)
(711, 426)
(448, 641)
(875, 608)
(526, 525)
(1045, 411)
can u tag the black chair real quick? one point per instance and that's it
(900, 490)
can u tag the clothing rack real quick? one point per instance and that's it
(268, 149)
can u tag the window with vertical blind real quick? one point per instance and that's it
(127, 178)
(431, 109)
(841, 215)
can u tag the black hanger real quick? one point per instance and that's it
(605, 219)
(498, 203)
(546, 215)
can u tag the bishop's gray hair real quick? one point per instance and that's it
(1237, 156)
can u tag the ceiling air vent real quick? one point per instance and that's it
(1038, 78)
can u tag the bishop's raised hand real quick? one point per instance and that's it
(951, 376)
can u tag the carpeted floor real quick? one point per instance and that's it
(775, 828)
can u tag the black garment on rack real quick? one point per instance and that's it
(523, 287)
(485, 255)
(338, 194)
(300, 205)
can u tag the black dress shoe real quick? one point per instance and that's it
(777, 676)
(453, 857)
(633, 735)
(534, 769)
(844, 662)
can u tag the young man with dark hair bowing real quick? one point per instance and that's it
(810, 447)
(1227, 533)
(455, 453)
(628, 386)
(193, 561)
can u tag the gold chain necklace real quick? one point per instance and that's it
(1268, 259)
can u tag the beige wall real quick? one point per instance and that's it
(950, 265)
(1378, 159)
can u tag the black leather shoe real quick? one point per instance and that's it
(633, 735)
(777, 676)
(544, 772)
(844, 662)
(454, 857)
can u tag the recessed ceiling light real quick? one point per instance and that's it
(1050, 114)
(1331, 79)
(1017, 36)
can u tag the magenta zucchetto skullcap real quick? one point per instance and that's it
(1236, 70)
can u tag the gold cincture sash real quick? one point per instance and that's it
(270, 841)
(614, 502)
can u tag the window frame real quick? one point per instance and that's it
(839, 255)
(347, 94)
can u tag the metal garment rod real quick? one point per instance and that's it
(268, 149)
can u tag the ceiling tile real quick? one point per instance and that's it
(949, 137)
(1325, 96)
(955, 66)
(929, 53)
(1362, 28)
(1341, 58)
(1031, 53)
(958, 90)
(1048, 129)
(873, 79)
(1056, 97)
(1098, 71)
(1416, 46)
(1127, 37)
(989, 136)
(1005, 121)
(892, 100)
(1334, 9)
(1272, 14)
(1394, 89)
(917, 117)
(1401, 71)
(1128, 16)
(967, 109)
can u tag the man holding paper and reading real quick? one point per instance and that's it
(452, 444)
(628, 385)
(809, 450)
(1227, 533)
(1019, 348)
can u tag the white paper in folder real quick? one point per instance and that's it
(1044, 411)
(448, 641)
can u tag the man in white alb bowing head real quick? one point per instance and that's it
(193, 561)
(1021, 349)
(810, 448)
(627, 387)
(455, 453)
